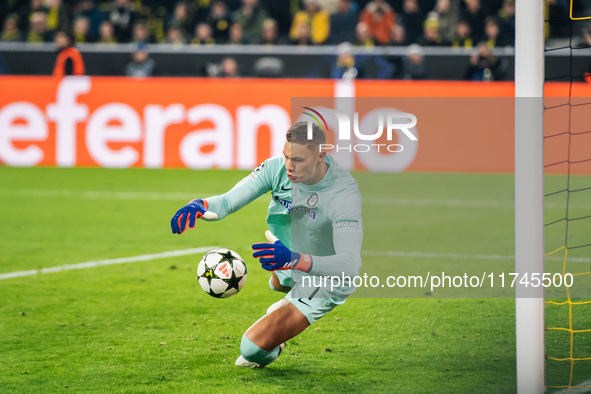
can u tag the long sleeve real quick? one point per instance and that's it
(346, 260)
(244, 192)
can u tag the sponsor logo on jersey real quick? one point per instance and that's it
(307, 211)
(346, 224)
(285, 203)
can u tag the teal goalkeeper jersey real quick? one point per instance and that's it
(323, 220)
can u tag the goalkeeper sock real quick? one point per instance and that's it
(255, 354)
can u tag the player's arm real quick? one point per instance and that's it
(346, 260)
(218, 207)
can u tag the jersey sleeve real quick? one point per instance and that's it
(251, 187)
(347, 239)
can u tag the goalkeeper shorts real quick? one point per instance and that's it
(314, 308)
(284, 277)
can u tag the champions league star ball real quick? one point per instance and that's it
(221, 273)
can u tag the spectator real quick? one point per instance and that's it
(317, 20)
(81, 30)
(363, 36)
(182, 18)
(10, 31)
(25, 14)
(200, 9)
(175, 36)
(236, 36)
(219, 20)
(139, 33)
(63, 40)
(251, 16)
(380, 19)
(447, 15)
(270, 35)
(344, 67)
(229, 68)
(203, 35)
(38, 29)
(342, 23)
(106, 33)
(302, 35)
(398, 36)
(58, 15)
(87, 9)
(484, 66)
(475, 16)
(142, 65)
(330, 6)
(492, 31)
(412, 19)
(69, 60)
(414, 63)
(282, 12)
(268, 67)
(507, 17)
(123, 17)
(155, 24)
(431, 36)
(462, 37)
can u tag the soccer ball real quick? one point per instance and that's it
(221, 273)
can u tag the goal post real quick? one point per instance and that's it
(529, 192)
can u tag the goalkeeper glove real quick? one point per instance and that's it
(186, 216)
(276, 256)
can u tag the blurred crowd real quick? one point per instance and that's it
(456, 23)
(413, 24)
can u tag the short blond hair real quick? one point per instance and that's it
(298, 134)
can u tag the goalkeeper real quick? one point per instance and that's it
(316, 231)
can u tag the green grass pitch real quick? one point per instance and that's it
(147, 326)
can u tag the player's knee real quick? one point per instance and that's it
(251, 352)
(276, 305)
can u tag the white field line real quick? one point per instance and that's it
(99, 195)
(184, 252)
(131, 195)
(404, 202)
(576, 390)
(429, 255)
(99, 263)
(507, 204)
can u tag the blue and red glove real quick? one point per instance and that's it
(187, 215)
(275, 256)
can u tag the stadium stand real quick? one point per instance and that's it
(202, 32)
